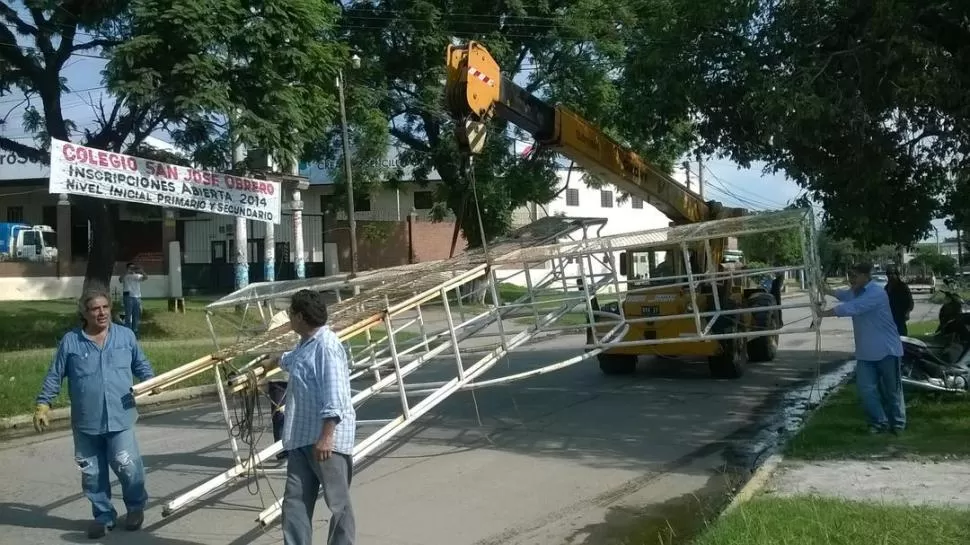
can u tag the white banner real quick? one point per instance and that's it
(79, 170)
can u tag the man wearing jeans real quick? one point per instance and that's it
(99, 360)
(319, 426)
(878, 349)
(131, 296)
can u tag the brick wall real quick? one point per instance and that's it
(383, 244)
(433, 240)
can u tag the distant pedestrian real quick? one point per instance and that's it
(878, 349)
(99, 360)
(131, 295)
(900, 300)
(777, 283)
(319, 426)
(276, 388)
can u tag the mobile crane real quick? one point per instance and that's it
(476, 92)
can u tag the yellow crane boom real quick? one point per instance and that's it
(476, 91)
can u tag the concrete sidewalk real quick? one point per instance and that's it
(905, 482)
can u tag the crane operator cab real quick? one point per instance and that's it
(658, 305)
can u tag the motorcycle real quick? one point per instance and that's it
(941, 362)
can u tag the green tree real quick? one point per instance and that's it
(564, 51)
(775, 248)
(930, 259)
(181, 66)
(835, 255)
(860, 102)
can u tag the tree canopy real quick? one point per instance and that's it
(773, 248)
(177, 66)
(861, 102)
(929, 259)
(565, 51)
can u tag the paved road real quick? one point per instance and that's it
(569, 457)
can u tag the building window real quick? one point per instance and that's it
(606, 199)
(15, 214)
(362, 204)
(636, 202)
(572, 197)
(423, 200)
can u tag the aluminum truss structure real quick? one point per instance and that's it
(414, 334)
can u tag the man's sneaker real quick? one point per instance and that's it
(876, 430)
(134, 520)
(97, 530)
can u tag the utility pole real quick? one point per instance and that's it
(241, 231)
(960, 251)
(686, 165)
(296, 206)
(269, 246)
(700, 175)
(351, 220)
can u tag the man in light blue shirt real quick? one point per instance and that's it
(319, 428)
(878, 349)
(99, 361)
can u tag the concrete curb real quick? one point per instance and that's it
(759, 479)
(60, 418)
(762, 474)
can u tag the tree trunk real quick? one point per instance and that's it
(104, 245)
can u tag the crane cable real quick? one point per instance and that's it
(470, 170)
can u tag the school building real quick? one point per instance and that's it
(393, 228)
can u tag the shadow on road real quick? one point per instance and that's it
(30, 516)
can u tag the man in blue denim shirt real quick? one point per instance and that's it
(878, 349)
(98, 361)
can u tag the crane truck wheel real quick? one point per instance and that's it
(733, 358)
(617, 364)
(612, 364)
(763, 349)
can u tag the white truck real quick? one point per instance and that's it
(23, 242)
(923, 283)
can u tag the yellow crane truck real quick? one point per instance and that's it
(476, 91)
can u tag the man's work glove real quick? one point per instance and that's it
(42, 418)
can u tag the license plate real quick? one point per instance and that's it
(651, 310)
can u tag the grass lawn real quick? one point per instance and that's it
(922, 329)
(817, 521)
(26, 325)
(938, 426)
(21, 373)
(30, 331)
(572, 318)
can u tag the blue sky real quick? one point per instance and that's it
(724, 180)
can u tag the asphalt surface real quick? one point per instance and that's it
(569, 457)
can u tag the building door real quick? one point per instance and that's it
(222, 277)
(284, 269)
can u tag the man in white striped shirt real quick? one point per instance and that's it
(319, 428)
